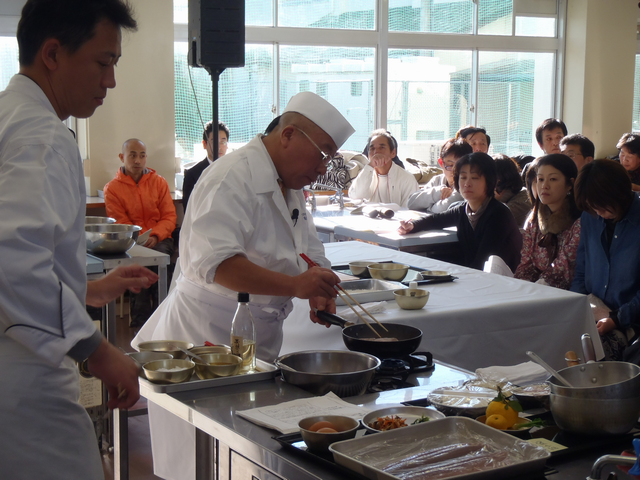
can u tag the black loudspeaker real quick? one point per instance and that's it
(216, 33)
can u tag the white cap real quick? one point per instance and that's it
(323, 114)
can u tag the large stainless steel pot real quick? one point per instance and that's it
(344, 373)
(605, 398)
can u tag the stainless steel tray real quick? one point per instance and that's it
(534, 459)
(265, 371)
(379, 290)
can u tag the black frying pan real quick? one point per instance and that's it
(354, 337)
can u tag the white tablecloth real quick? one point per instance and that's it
(480, 320)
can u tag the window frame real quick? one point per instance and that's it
(382, 40)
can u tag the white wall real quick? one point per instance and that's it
(599, 70)
(142, 104)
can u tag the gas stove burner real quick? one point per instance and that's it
(393, 367)
(383, 384)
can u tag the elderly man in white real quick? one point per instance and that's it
(244, 231)
(382, 181)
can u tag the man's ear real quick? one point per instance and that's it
(50, 52)
(121, 157)
(588, 160)
(440, 162)
(285, 134)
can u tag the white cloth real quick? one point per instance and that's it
(429, 197)
(526, 373)
(400, 187)
(42, 292)
(236, 208)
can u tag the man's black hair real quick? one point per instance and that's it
(72, 22)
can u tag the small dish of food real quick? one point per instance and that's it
(431, 274)
(391, 418)
(169, 371)
(320, 431)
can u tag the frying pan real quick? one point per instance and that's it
(354, 336)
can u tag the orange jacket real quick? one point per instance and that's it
(147, 203)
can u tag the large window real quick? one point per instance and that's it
(8, 60)
(421, 69)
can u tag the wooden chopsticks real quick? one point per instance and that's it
(342, 292)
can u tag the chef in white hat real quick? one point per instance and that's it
(244, 231)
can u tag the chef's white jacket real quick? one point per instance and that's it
(236, 208)
(401, 184)
(45, 433)
(429, 197)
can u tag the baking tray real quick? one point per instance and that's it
(537, 456)
(265, 371)
(380, 290)
(293, 442)
(413, 275)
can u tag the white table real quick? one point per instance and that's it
(479, 320)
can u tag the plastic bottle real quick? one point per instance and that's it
(243, 334)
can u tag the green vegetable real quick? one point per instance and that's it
(422, 419)
(536, 422)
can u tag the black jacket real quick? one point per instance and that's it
(495, 234)
(191, 176)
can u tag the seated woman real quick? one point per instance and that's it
(485, 226)
(552, 233)
(509, 189)
(608, 263)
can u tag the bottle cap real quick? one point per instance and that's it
(243, 297)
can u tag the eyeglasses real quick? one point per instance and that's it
(573, 155)
(326, 158)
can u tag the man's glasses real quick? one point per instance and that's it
(326, 158)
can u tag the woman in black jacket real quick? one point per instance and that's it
(485, 226)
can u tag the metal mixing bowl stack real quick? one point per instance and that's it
(344, 373)
(110, 239)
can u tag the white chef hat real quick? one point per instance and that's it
(323, 114)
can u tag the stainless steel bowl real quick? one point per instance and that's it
(169, 371)
(605, 399)
(319, 442)
(110, 239)
(218, 365)
(411, 298)
(142, 358)
(165, 346)
(90, 220)
(213, 349)
(344, 373)
(360, 269)
(388, 271)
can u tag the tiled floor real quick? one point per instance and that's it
(140, 461)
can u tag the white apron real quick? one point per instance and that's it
(57, 440)
(173, 439)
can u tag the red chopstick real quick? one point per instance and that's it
(310, 262)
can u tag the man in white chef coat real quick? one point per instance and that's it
(68, 50)
(244, 231)
(382, 181)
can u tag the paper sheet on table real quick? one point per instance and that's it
(495, 264)
(522, 374)
(285, 416)
(371, 307)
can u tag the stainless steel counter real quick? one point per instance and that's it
(231, 445)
